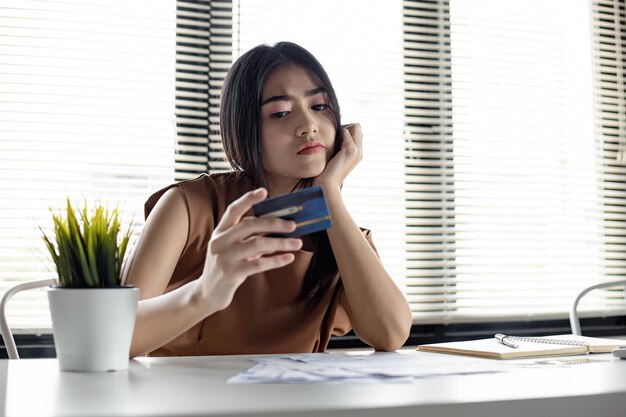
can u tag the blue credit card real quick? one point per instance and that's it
(307, 208)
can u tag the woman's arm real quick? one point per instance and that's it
(236, 250)
(161, 317)
(379, 313)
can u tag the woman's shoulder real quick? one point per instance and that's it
(205, 189)
(218, 181)
(224, 187)
(207, 180)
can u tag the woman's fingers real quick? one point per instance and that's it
(353, 136)
(354, 129)
(256, 255)
(249, 227)
(266, 263)
(257, 247)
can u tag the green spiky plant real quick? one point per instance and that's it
(89, 250)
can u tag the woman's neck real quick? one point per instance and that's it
(280, 186)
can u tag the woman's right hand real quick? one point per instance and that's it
(239, 247)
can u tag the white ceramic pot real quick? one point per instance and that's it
(93, 327)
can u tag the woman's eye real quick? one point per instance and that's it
(320, 107)
(279, 115)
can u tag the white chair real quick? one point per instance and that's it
(573, 314)
(9, 342)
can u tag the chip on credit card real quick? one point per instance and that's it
(307, 208)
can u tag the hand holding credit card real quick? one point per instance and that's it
(307, 208)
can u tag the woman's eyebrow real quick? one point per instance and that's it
(287, 97)
(315, 91)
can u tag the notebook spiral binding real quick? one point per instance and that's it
(548, 341)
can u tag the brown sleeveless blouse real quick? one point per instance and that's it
(264, 316)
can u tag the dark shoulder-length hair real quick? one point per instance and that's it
(240, 126)
(240, 111)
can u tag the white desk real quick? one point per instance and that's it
(195, 386)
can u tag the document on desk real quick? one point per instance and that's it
(371, 367)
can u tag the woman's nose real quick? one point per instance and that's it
(307, 126)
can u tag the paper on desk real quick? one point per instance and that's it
(329, 368)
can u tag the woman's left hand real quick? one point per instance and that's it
(350, 154)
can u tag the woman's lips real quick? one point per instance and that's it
(311, 149)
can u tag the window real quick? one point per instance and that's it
(514, 195)
(87, 101)
(493, 175)
(498, 205)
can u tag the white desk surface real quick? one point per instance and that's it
(196, 386)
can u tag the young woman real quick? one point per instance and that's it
(213, 281)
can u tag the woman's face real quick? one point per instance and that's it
(297, 128)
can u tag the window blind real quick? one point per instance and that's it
(508, 214)
(429, 160)
(86, 112)
(360, 46)
(494, 134)
(203, 56)
(609, 28)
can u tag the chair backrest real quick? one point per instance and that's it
(9, 342)
(573, 314)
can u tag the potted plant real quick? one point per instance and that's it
(93, 315)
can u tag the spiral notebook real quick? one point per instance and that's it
(565, 344)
